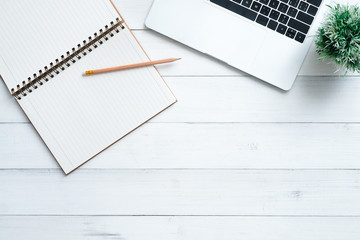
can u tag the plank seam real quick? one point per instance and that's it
(222, 123)
(177, 169)
(162, 215)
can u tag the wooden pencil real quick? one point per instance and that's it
(136, 65)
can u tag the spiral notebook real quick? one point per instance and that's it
(45, 46)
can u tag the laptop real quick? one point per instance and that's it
(268, 39)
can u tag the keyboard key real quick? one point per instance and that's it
(315, 2)
(283, 19)
(256, 6)
(265, 10)
(301, 27)
(294, 3)
(292, 21)
(292, 12)
(246, 3)
(249, 14)
(272, 25)
(281, 29)
(300, 37)
(290, 33)
(306, 18)
(283, 8)
(303, 6)
(274, 3)
(312, 10)
(262, 20)
(274, 14)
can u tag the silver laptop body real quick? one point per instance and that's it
(251, 35)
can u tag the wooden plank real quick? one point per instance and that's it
(243, 99)
(225, 146)
(134, 11)
(175, 228)
(233, 99)
(178, 192)
(10, 111)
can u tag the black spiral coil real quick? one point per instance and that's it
(65, 61)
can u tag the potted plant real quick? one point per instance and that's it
(338, 39)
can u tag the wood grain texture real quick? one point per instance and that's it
(176, 228)
(244, 99)
(202, 146)
(252, 162)
(181, 192)
(134, 11)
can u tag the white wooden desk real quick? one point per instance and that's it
(234, 159)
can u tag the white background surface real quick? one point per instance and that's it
(234, 159)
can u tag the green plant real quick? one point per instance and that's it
(338, 39)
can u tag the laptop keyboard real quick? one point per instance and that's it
(291, 18)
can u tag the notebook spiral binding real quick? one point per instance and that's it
(66, 60)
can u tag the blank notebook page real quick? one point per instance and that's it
(77, 116)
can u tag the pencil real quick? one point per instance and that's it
(136, 65)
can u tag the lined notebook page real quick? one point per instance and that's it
(77, 116)
(35, 33)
